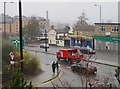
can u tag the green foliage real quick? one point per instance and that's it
(117, 73)
(31, 63)
(32, 27)
(18, 83)
(6, 73)
(7, 47)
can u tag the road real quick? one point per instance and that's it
(70, 78)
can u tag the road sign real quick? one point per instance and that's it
(16, 41)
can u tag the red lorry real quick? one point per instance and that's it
(70, 55)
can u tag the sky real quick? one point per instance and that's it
(65, 11)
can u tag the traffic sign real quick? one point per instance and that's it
(16, 41)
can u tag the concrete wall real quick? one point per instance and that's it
(60, 42)
(52, 37)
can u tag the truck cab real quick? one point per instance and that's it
(71, 55)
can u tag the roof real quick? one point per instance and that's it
(84, 28)
(107, 23)
(62, 30)
(59, 30)
(69, 49)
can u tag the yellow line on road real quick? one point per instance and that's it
(54, 79)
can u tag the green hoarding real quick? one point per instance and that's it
(16, 41)
(107, 39)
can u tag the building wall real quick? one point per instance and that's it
(102, 44)
(52, 37)
(108, 28)
(42, 24)
(60, 42)
(59, 35)
(13, 27)
(7, 25)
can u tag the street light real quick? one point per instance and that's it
(100, 25)
(5, 19)
(100, 11)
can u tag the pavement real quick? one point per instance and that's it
(47, 75)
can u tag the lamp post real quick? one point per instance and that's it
(100, 25)
(100, 11)
(4, 21)
(5, 18)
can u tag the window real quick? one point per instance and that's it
(75, 32)
(50, 41)
(114, 29)
(57, 42)
(61, 37)
(102, 28)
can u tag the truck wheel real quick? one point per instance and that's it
(70, 62)
(72, 69)
(66, 59)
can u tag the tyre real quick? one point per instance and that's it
(66, 59)
(58, 59)
(73, 69)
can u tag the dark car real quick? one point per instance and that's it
(82, 68)
(44, 45)
(87, 51)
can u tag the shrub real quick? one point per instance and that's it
(7, 47)
(17, 82)
(31, 63)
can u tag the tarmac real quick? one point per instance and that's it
(47, 76)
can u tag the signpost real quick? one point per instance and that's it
(16, 41)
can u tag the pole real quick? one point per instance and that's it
(20, 33)
(100, 13)
(100, 27)
(4, 21)
(45, 41)
(93, 43)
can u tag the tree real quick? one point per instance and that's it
(32, 27)
(117, 74)
(82, 19)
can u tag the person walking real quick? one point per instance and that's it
(53, 67)
(57, 66)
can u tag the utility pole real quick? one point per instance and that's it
(4, 22)
(45, 41)
(93, 43)
(20, 33)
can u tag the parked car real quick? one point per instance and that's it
(44, 45)
(84, 67)
(70, 55)
(87, 51)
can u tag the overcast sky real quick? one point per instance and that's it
(66, 12)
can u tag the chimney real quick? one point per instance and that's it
(52, 27)
(46, 15)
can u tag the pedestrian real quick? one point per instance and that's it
(57, 66)
(53, 67)
(12, 59)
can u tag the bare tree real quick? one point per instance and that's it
(82, 20)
